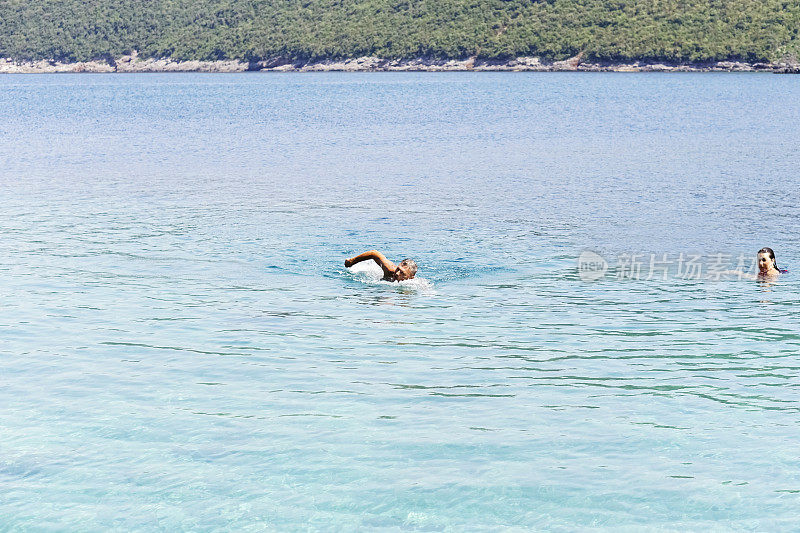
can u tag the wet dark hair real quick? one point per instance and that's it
(411, 265)
(771, 255)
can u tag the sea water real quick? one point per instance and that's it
(181, 347)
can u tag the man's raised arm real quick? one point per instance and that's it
(387, 266)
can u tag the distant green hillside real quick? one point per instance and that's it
(613, 30)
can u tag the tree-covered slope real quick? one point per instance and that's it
(613, 30)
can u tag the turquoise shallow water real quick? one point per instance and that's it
(182, 349)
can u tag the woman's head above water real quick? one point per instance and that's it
(766, 262)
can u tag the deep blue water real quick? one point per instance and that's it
(181, 347)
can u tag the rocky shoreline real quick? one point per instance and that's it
(133, 63)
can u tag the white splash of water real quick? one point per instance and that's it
(371, 273)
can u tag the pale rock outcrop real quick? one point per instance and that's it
(133, 63)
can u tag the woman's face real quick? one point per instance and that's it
(765, 262)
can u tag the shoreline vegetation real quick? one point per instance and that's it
(398, 35)
(132, 63)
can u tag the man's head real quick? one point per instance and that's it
(407, 269)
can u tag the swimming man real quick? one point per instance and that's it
(407, 268)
